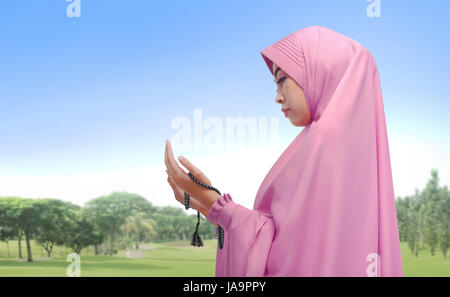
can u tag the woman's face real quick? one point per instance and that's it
(291, 97)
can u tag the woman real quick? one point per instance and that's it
(326, 207)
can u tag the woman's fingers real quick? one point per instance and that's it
(178, 174)
(179, 195)
(193, 203)
(175, 188)
(174, 169)
(166, 158)
(181, 178)
(197, 173)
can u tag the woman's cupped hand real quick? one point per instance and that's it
(201, 198)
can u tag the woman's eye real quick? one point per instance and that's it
(281, 80)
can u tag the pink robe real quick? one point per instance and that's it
(326, 207)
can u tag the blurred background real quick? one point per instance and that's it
(90, 90)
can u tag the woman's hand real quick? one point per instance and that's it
(179, 195)
(204, 197)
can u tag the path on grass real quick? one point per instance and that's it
(134, 254)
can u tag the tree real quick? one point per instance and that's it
(413, 223)
(425, 217)
(6, 233)
(55, 221)
(98, 236)
(110, 212)
(444, 222)
(402, 207)
(24, 215)
(81, 232)
(429, 212)
(139, 227)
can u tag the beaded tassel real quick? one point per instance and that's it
(196, 240)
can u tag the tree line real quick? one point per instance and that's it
(424, 218)
(121, 219)
(117, 220)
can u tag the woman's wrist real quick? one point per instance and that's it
(211, 199)
(204, 212)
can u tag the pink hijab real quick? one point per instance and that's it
(326, 207)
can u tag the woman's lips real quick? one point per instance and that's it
(286, 112)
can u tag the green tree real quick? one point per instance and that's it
(98, 235)
(429, 213)
(80, 233)
(444, 222)
(23, 215)
(6, 233)
(413, 223)
(110, 212)
(139, 227)
(55, 220)
(402, 207)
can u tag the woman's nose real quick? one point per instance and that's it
(279, 99)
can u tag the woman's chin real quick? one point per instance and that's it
(296, 122)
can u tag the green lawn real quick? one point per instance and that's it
(168, 259)
(175, 259)
(424, 264)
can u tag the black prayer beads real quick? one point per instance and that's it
(196, 241)
(186, 200)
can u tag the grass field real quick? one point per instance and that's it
(173, 259)
(168, 259)
(424, 264)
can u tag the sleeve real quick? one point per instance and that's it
(248, 237)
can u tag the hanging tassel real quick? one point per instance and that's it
(196, 240)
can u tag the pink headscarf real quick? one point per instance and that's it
(326, 207)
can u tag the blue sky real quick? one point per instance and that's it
(90, 100)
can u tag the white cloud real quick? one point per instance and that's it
(412, 160)
(239, 174)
